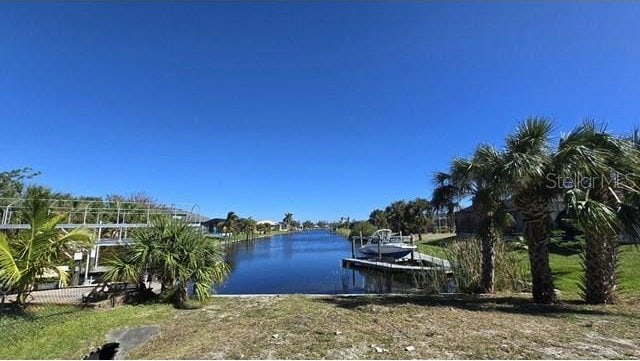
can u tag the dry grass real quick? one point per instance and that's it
(346, 328)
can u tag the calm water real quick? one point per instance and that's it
(307, 262)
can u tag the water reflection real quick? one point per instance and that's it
(308, 262)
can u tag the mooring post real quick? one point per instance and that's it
(411, 238)
(353, 247)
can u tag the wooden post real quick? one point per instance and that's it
(412, 256)
(379, 250)
(353, 247)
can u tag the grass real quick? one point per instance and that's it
(565, 262)
(66, 332)
(339, 328)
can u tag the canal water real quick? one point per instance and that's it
(302, 262)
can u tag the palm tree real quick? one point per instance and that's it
(417, 216)
(265, 228)
(231, 224)
(248, 226)
(395, 214)
(528, 161)
(445, 196)
(379, 219)
(480, 178)
(288, 220)
(40, 250)
(598, 201)
(174, 253)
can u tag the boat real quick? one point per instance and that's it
(383, 242)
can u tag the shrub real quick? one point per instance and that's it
(344, 232)
(365, 228)
(466, 260)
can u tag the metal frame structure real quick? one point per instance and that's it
(109, 220)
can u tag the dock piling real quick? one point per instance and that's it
(411, 239)
(353, 247)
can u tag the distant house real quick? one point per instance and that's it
(468, 222)
(187, 216)
(214, 225)
(268, 222)
(194, 219)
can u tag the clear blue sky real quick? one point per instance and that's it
(320, 109)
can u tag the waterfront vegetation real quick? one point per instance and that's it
(590, 171)
(593, 171)
(177, 255)
(565, 261)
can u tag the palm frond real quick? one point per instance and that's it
(120, 270)
(9, 271)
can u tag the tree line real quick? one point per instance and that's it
(594, 172)
(415, 216)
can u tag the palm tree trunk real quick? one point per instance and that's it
(600, 263)
(181, 297)
(488, 236)
(542, 281)
(21, 296)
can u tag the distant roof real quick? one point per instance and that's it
(188, 216)
(266, 221)
(214, 221)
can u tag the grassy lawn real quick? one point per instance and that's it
(566, 265)
(339, 328)
(67, 331)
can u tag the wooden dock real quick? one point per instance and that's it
(428, 263)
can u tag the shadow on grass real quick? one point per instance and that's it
(511, 305)
(563, 247)
(12, 312)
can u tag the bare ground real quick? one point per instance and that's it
(402, 327)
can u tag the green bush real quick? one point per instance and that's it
(364, 228)
(344, 232)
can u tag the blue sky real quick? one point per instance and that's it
(321, 109)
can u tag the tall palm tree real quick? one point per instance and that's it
(528, 161)
(288, 220)
(231, 224)
(42, 249)
(598, 201)
(248, 226)
(480, 178)
(174, 253)
(395, 213)
(417, 216)
(445, 196)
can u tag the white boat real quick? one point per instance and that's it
(385, 243)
